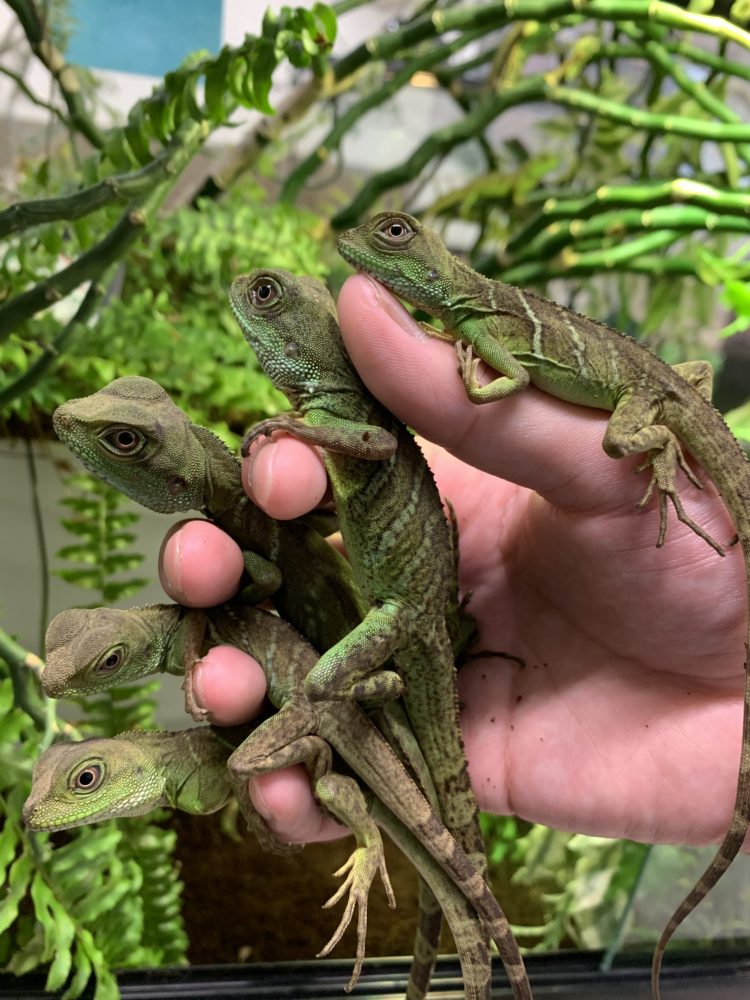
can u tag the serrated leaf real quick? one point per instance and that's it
(77, 553)
(137, 140)
(117, 591)
(18, 881)
(216, 86)
(81, 577)
(81, 975)
(263, 67)
(117, 563)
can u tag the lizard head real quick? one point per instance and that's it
(282, 316)
(92, 649)
(77, 783)
(134, 437)
(409, 259)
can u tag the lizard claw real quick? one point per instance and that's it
(663, 463)
(362, 866)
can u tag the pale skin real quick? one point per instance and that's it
(625, 720)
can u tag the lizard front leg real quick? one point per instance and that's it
(345, 437)
(265, 578)
(631, 431)
(475, 344)
(350, 668)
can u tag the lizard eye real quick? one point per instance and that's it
(110, 662)
(88, 778)
(122, 440)
(264, 292)
(396, 231)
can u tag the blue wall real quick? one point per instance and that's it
(142, 36)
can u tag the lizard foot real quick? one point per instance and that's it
(266, 428)
(468, 365)
(663, 464)
(362, 866)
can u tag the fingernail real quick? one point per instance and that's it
(259, 800)
(170, 565)
(197, 685)
(391, 305)
(260, 490)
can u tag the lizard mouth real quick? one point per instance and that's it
(391, 278)
(54, 827)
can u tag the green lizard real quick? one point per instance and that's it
(392, 524)
(88, 650)
(133, 435)
(131, 774)
(530, 340)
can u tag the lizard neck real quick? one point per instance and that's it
(223, 484)
(175, 636)
(466, 293)
(193, 764)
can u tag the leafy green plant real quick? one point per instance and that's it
(103, 897)
(85, 902)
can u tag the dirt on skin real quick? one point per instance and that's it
(242, 904)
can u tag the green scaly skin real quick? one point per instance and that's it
(188, 771)
(391, 521)
(132, 435)
(530, 340)
(94, 649)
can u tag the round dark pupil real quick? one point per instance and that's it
(264, 292)
(397, 229)
(86, 778)
(112, 660)
(126, 439)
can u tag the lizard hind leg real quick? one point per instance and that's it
(630, 432)
(343, 798)
(664, 463)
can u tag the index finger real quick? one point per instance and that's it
(529, 438)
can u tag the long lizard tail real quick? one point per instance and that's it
(730, 472)
(426, 943)
(738, 827)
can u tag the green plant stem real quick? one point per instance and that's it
(637, 118)
(24, 665)
(619, 223)
(702, 96)
(702, 57)
(532, 89)
(439, 143)
(495, 15)
(51, 352)
(33, 23)
(119, 187)
(88, 267)
(95, 261)
(34, 98)
(299, 176)
(681, 190)
(41, 542)
(619, 936)
(625, 257)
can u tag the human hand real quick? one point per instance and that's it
(625, 719)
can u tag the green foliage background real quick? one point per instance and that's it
(629, 202)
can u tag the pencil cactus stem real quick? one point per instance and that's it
(681, 190)
(691, 218)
